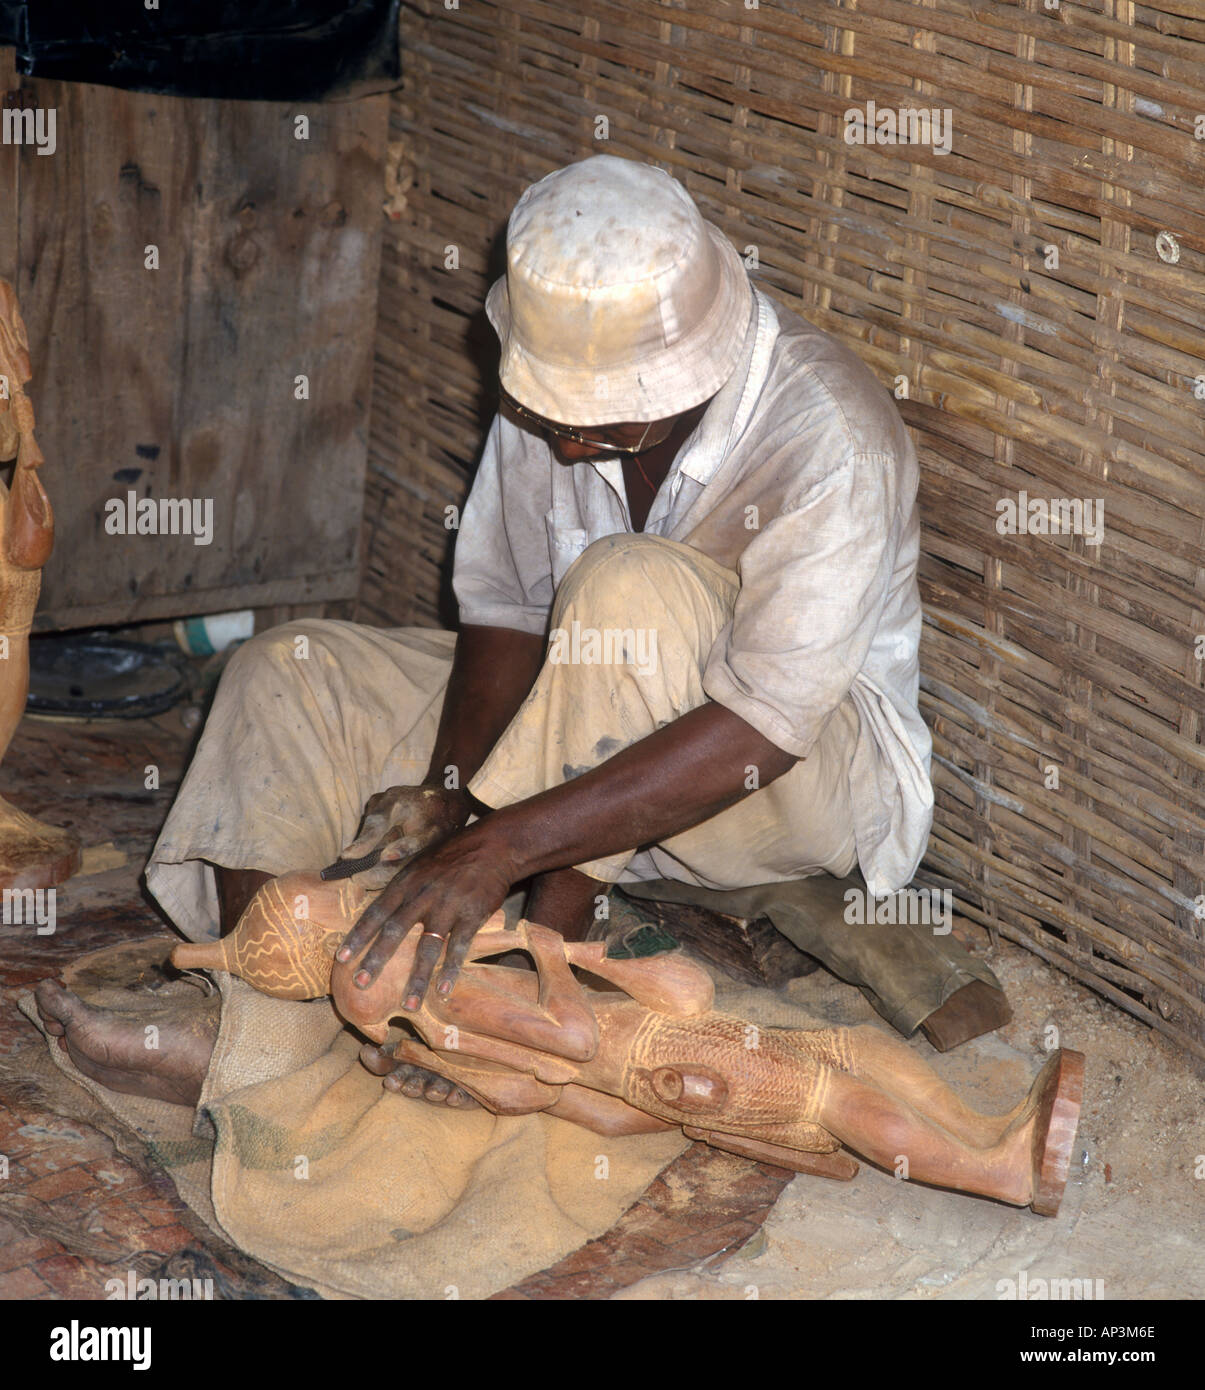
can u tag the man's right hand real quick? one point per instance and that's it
(402, 821)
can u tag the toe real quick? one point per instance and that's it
(437, 1089)
(412, 1083)
(58, 1008)
(377, 1060)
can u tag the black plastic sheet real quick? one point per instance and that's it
(266, 50)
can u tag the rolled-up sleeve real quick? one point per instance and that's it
(502, 574)
(813, 587)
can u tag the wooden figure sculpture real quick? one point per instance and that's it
(658, 1055)
(32, 854)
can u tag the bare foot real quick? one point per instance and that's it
(112, 1048)
(408, 1080)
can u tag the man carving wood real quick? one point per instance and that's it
(706, 507)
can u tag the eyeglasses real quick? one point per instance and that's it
(576, 437)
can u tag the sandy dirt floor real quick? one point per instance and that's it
(1133, 1217)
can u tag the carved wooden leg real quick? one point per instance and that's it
(561, 1022)
(670, 984)
(890, 1064)
(604, 1114)
(821, 1165)
(506, 1092)
(1027, 1166)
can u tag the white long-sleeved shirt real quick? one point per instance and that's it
(802, 478)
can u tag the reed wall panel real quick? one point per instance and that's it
(1074, 129)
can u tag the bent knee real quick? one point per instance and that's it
(294, 641)
(620, 574)
(618, 555)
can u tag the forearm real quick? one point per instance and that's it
(677, 777)
(492, 672)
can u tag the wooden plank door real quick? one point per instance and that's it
(199, 285)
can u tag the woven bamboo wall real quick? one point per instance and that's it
(1073, 128)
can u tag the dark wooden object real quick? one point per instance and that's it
(179, 382)
(751, 952)
(701, 1206)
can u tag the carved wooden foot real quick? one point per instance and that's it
(832, 1165)
(32, 853)
(1060, 1095)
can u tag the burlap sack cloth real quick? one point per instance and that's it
(296, 1153)
(307, 1164)
(299, 1157)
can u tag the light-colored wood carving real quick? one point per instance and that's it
(284, 943)
(654, 1053)
(32, 853)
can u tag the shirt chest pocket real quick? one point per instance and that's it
(565, 542)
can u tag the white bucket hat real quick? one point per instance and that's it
(619, 301)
